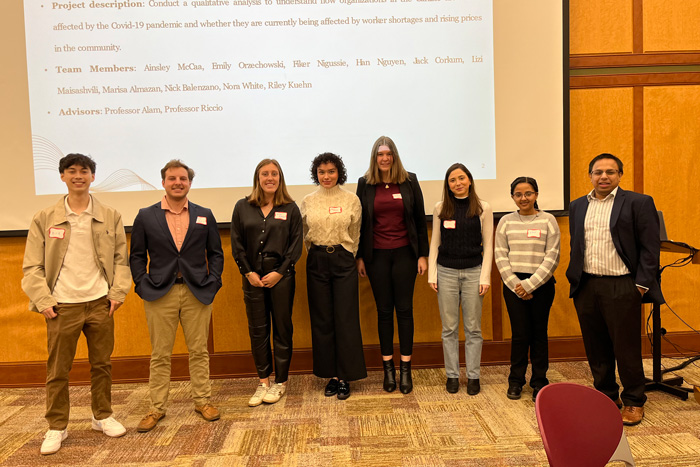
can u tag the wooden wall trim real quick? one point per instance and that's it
(496, 307)
(582, 62)
(638, 26)
(638, 138)
(634, 79)
(240, 364)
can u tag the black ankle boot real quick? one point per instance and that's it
(389, 376)
(406, 383)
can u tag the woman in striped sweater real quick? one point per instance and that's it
(527, 253)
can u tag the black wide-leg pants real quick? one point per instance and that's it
(334, 308)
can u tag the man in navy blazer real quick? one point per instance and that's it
(178, 285)
(614, 266)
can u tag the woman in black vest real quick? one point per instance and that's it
(462, 233)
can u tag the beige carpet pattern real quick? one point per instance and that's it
(428, 427)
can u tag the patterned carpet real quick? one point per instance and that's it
(428, 427)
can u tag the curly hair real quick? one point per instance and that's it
(329, 158)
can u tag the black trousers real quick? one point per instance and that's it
(528, 321)
(265, 305)
(609, 311)
(392, 275)
(334, 309)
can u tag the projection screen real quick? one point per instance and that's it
(222, 84)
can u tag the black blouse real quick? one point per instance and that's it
(276, 238)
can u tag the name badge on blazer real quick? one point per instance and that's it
(397, 196)
(449, 224)
(201, 220)
(335, 210)
(57, 233)
(533, 233)
(281, 216)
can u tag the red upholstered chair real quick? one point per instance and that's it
(580, 427)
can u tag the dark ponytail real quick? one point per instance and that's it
(529, 180)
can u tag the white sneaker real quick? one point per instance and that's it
(260, 393)
(275, 393)
(109, 426)
(52, 441)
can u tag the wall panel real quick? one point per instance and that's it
(671, 176)
(671, 26)
(601, 121)
(600, 26)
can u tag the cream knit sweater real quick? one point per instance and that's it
(331, 216)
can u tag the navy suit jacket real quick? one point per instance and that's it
(200, 259)
(414, 216)
(634, 225)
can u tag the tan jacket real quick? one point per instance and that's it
(46, 248)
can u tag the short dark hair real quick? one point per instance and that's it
(605, 155)
(329, 158)
(76, 159)
(174, 164)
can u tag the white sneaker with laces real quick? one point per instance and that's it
(52, 441)
(109, 426)
(275, 393)
(260, 393)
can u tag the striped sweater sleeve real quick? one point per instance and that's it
(501, 250)
(551, 258)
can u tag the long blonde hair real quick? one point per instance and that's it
(257, 196)
(397, 174)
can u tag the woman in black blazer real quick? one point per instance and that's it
(393, 248)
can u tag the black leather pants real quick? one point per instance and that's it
(265, 305)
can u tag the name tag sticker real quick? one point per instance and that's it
(201, 220)
(281, 216)
(397, 196)
(449, 224)
(533, 233)
(335, 210)
(57, 233)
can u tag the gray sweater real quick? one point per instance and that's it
(527, 244)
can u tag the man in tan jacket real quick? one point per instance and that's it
(76, 274)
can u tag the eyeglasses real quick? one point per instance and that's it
(527, 194)
(609, 173)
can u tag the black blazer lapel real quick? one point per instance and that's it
(614, 216)
(407, 197)
(371, 192)
(192, 208)
(580, 228)
(163, 223)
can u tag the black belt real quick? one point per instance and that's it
(180, 280)
(602, 276)
(327, 248)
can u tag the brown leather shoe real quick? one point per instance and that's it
(208, 412)
(618, 403)
(632, 415)
(149, 422)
